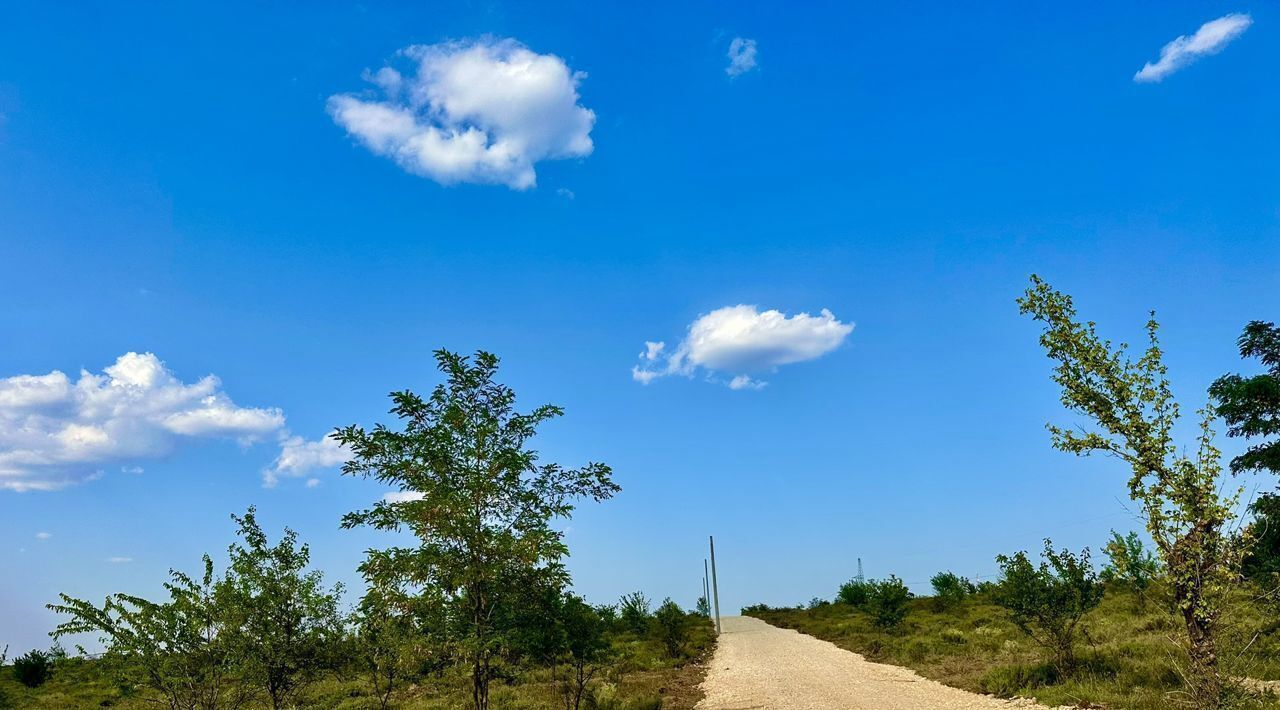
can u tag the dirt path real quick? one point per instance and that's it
(758, 666)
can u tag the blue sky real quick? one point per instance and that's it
(174, 180)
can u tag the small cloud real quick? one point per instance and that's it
(402, 496)
(132, 470)
(740, 340)
(43, 535)
(566, 193)
(298, 457)
(742, 56)
(313, 482)
(119, 560)
(1211, 38)
(743, 382)
(476, 111)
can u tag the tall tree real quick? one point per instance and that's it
(477, 498)
(1251, 405)
(1134, 413)
(282, 620)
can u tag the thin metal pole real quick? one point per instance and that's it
(715, 587)
(706, 585)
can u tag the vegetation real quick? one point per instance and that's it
(33, 668)
(1251, 405)
(1048, 601)
(1123, 659)
(479, 503)
(855, 592)
(1130, 564)
(950, 589)
(1134, 413)
(887, 602)
(477, 609)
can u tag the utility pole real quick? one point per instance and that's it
(706, 586)
(715, 587)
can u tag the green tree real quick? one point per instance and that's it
(950, 589)
(671, 625)
(887, 601)
(703, 607)
(176, 647)
(1131, 564)
(583, 649)
(1134, 414)
(393, 642)
(476, 497)
(1047, 602)
(33, 669)
(634, 612)
(282, 620)
(854, 592)
(1251, 405)
(1262, 559)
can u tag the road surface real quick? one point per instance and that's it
(761, 667)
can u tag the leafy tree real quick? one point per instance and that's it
(1131, 564)
(582, 651)
(1262, 558)
(633, 612)
(704, 606)
(176, 647)
(282, 620)
(393, 640)
(1047, 602)
(672, 627)
(1251, 405)
(1134, 414)
(854, 592)
(33, 668)
(478, 500)
(887, 601)
(950, 589)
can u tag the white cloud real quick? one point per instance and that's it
(742, 56)
(55, 432)
(1211, 38)
(313, 482)
(298, 457)
(43, 535)
(402, 496)
(119, 560)
(479, 111)
(740, 340)
(135, 470)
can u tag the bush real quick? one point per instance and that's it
(817, 602)
(949, 589)
(887, 602)
(672, 627)
(854, 592)
(1130, 564)
(1007, 681)
(1047, 602)
(752, 609)
(633, 612)
(33, 669)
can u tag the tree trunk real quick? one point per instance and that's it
(1206, 684)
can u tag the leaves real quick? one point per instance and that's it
(481, 504)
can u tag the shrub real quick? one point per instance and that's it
(817, 602)
(33, 669)
(854, 592)
(887, 602)
(949, 589)
(672, 627)
(1047, 602)
(633, 612)
(752, 609)
(1130, 564)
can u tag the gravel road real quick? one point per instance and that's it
(761, 667)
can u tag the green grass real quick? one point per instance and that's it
(1128, 656)
(643, 678)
